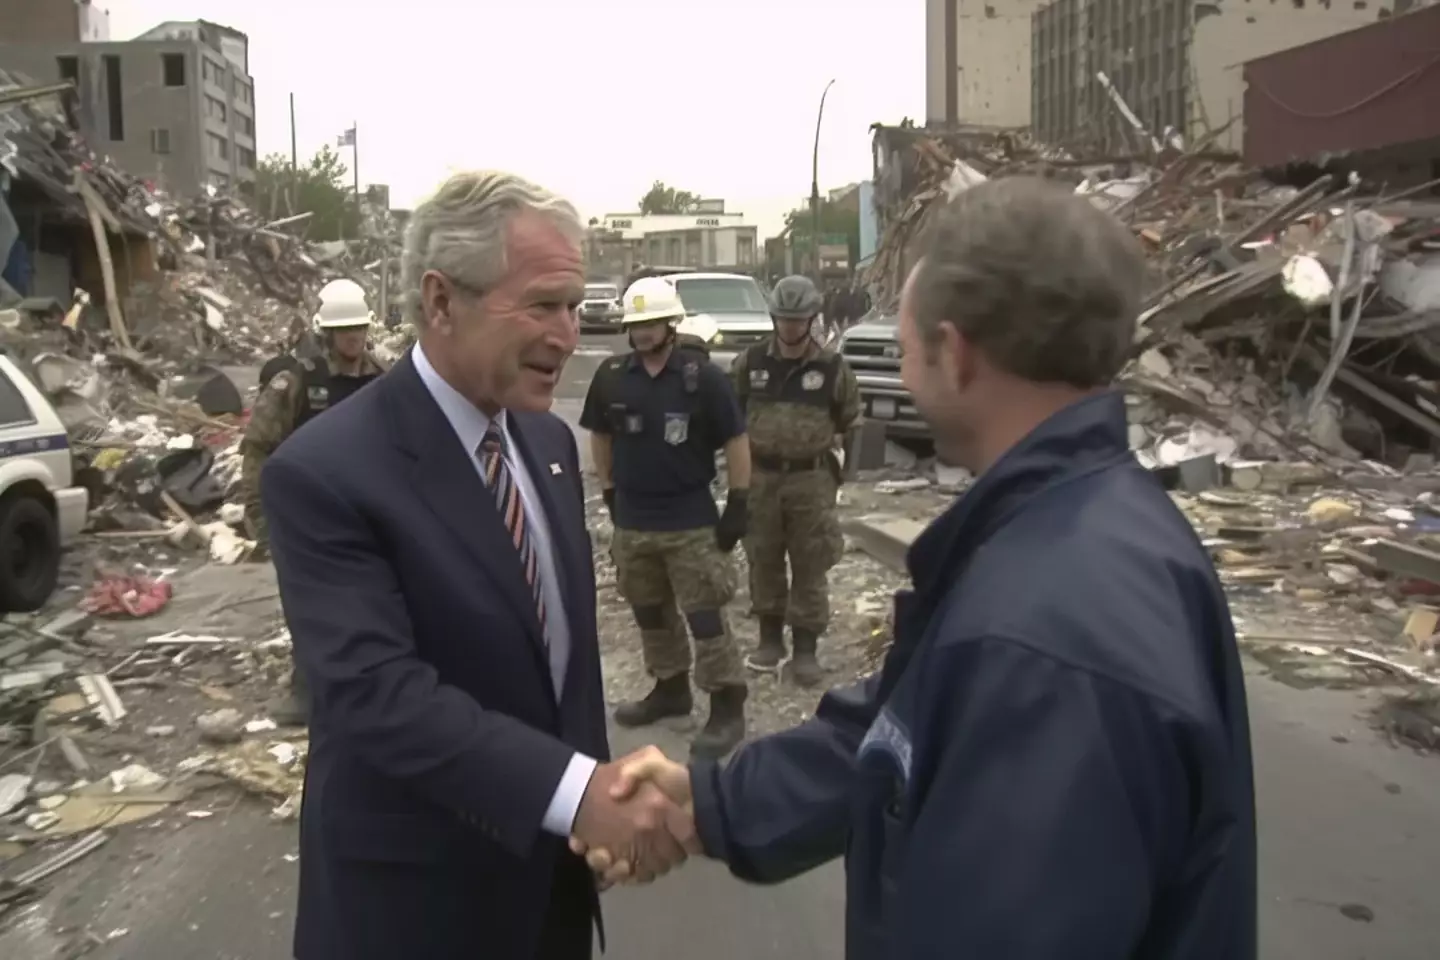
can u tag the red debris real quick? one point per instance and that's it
(127, 597)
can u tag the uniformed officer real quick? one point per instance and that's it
(656, 417)
(295, 393)
(800, 399)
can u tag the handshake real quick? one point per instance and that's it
(636, 821)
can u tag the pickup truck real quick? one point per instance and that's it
(872, 348)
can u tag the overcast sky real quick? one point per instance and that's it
(592, 98)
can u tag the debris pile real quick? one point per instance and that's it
(1287, 323)
(103, 724)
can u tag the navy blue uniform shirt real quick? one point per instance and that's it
(665, 430)
(1054, 763)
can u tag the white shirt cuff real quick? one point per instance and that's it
(560, 817)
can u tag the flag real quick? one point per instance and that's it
(347, 139)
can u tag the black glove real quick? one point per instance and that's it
(609, 496)
(734, 521)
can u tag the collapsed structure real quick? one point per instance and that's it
(1282, 321)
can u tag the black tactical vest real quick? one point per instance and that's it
(772, 379)
(323, 389)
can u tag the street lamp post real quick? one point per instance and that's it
(815, 189)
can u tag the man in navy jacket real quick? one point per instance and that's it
(1054, 763)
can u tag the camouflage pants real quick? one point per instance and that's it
(656, 571)
(793, 514)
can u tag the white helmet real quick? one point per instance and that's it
(653, 298)
(343, 304)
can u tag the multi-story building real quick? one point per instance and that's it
(706, 237)
(977, 62)
(175, 106)
(1176, 63)
(52, 21)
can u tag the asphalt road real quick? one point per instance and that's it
(1350, 839)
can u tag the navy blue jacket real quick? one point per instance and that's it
(437, 740)
(1054, 763)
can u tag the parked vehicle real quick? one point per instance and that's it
(601, 309)
(872, 348)
(41, 509)
(733, 300)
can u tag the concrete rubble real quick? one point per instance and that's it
(1283, 322)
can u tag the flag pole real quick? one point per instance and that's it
(355, 164)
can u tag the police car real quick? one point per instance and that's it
(40, 506)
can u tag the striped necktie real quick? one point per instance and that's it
(512, 511)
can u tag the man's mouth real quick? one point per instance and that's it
(547, 370)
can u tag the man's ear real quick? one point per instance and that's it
(435, 300)
(956, 356)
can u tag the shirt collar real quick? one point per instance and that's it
(467, 420)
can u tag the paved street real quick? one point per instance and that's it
(1350, 828)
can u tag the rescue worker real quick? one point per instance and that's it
(800, 400)
(656, 418)
(295, 393)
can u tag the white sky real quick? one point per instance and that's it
(592, 98)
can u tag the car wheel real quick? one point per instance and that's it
(29, 554)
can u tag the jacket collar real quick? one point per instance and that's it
(1088, 435)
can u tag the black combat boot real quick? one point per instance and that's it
(771, 648)
(804, 668)
(670, 698)
(293, 709)
(726, 726)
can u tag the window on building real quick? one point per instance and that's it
(247, 158)
(247, 125)
(69, 68)
(172, 66)
(160, 141)
(216, 108)
(219, 147)
(114, 99)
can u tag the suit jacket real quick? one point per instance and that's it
(437, 739)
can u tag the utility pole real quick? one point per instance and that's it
(294, 191)
(815, 190)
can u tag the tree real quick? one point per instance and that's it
(663, 199)
(321, 187)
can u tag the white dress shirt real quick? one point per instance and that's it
(470, 424)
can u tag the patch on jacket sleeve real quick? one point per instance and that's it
(887, 737)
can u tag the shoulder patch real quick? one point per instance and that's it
(616, 363)
(281, 381)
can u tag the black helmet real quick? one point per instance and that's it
(795, 297)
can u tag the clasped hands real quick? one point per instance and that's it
(636, 821)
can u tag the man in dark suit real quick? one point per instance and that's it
(429, 537)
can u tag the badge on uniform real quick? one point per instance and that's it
(758, 379)
(812, 380)
(677, 428)
(319, 397)
(554, 469)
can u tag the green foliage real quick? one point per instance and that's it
(663, 199)
(321, 186)
(835, 219)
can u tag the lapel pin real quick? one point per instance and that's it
(554, 469)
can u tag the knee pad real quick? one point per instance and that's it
(649, 618)
(705, 624)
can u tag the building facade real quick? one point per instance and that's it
(175, 106)
(977, 62)
(1176, 63)
(707, 238)
(53, 21)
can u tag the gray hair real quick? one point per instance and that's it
(461, 231)
(1046, 284)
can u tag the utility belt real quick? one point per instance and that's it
(772, 464)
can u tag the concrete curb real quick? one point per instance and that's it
(885, 538)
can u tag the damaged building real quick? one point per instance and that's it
(174, 106)
(1178, 64)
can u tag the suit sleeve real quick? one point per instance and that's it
(782, 805)
(1038, 784)
(353, 640)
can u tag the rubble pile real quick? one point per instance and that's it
(1289, 323)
